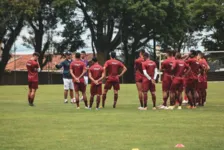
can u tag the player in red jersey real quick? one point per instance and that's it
(113, 67)
(150, 73)
(139, 76)
(191, 80)
(33, 68)
(179, 69)
(203, 85)
(96, 75)
(77, 70)
(166, 68)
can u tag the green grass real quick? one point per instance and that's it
(52, 125)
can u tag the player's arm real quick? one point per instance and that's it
(84, 71)
(59, 66)
(91, 77)
(155, 73)
(123, 71)
(72, 74)
(38, 66)
(145, 72)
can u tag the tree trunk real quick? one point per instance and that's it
(102, 57)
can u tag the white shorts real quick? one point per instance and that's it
(86, 80)
(68, 84)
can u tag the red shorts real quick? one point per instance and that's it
(166, 83)
(177, 85)
(191, 84)
(138, 77)
(33, 85)
(96, 89)
(80, 87)
(202, 85)
(147, 85)
(108, 85)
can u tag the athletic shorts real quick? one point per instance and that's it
(96, 89)
(177, 85)
(33, 85)
(138, 77)
(80, 87)
(191, 84)
(108, 85)
(166, 83)
(147, 85)
(86, 80)
(202, 85)
(68, 84)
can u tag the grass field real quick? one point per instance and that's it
(53, 125)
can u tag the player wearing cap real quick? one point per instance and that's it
(113, 67)
(67, 78)
(33, 68)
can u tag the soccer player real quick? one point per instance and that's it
(166, 68)
(67, 78)
(96, 75)
(139, 76)
(77, 70)
(191, 80)
(203, 85)
(33, 68)
(150, 73)
(179, 69)
(112, 67)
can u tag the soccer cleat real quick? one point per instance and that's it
(163, 107)
(66, 101)
(179, 107)
(194, 107)
(171, 107)
(189, 107)
(87, 108)
(144, 108)
(78, 108)
(31, 104)
(185, 102)
(154, 108)
(97, 108)
(139, 108)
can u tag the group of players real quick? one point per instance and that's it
(179, 73)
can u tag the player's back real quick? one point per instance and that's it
(149, 66)
(96, 71)
(195, 67)
(32, 68)
(113, 67)
(138, 65)
(167, 66)
(179, 68)
(77, 67)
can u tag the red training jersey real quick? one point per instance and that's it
(166, 66)
(149, 66)
(32, 68)
(180, 68)
(113, 67)
(96, 71)
(78, 67)
(138, 65)
(204, 66)
(195, 68)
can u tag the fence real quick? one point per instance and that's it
(20, 78)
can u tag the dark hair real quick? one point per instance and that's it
(94, 59)
(142, 51)
(77, 55)
(146, 55)
(36, 54)
(83, 52)
(193, 53)
(198, 52)
(113, 54)
(169, 53)
(202, 55)
(178, 55)
(67, 53)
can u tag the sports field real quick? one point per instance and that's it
(53, 125)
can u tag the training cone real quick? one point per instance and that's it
(179, 146)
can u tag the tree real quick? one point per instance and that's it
(48, 15)
(12, 15)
